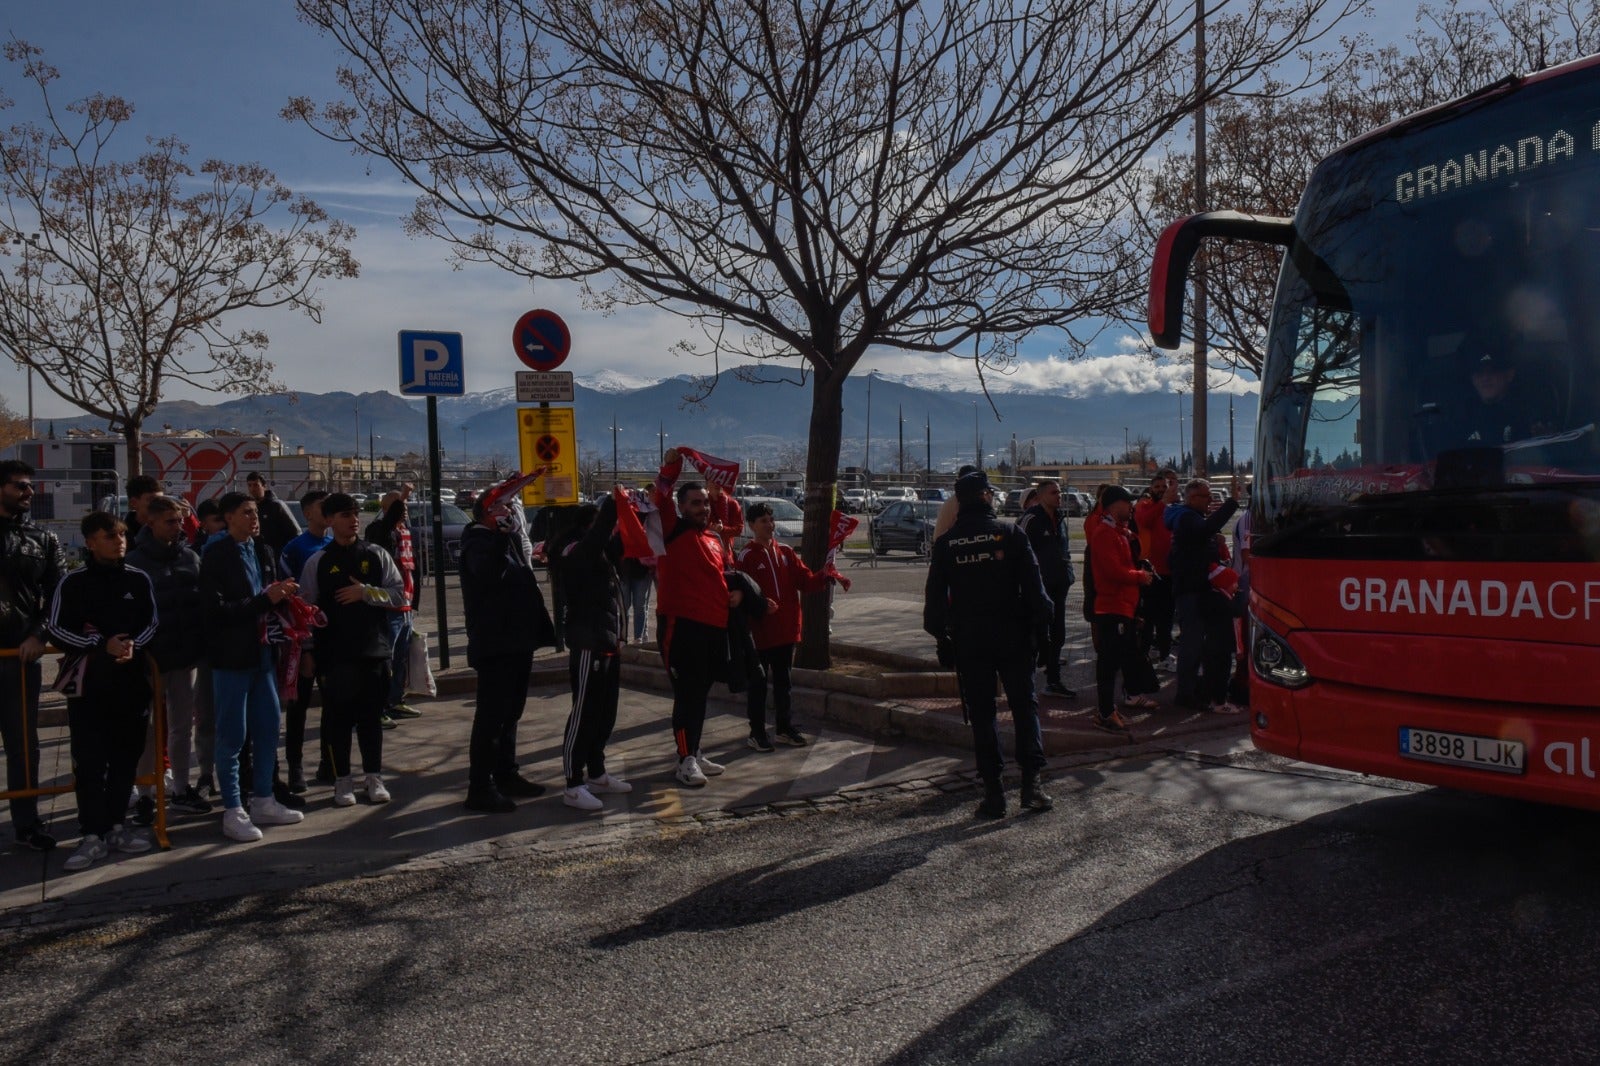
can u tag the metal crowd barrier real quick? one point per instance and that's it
(158, 711)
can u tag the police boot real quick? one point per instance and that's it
(994, 802)
(1034, 797)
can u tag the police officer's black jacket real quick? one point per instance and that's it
(984, 588)
(31, 563)
(174, 569)
(593, 588)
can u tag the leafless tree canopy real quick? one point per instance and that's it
(804, 180)
(139, 260)
(1261, 149)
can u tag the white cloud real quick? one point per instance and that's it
(1126, 371)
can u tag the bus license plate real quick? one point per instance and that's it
(1460, 749)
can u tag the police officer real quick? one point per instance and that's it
(987, 607)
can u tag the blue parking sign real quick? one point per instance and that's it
(431, 364)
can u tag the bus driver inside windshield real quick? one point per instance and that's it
(1501, 410)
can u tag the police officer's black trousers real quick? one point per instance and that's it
(977, 668)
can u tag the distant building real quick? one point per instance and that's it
(1086, 477)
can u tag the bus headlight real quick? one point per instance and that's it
(1274, 661)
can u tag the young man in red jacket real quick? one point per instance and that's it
(1117, 582)
(693, 601)
(1156, 540)
(783, 578)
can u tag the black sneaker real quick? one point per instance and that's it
(759, 741)
(993, 806)
(144, 812)
(1056, 688)
(791, 736)
(325, 775)
(489, 801)
(36, 839)
(517, 785)
(206, 786)
(189, 801)
(1034, 798)
(297, 779)
(281, 793)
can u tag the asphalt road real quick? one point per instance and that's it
(1200, 906)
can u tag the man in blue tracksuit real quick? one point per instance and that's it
(1205, 616)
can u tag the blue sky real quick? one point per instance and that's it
(216, 72)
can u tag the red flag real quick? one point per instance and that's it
(635, 542)
(507, 490)
(716, 471)
(840, 526)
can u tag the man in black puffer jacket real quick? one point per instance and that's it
(506, 623)
(173, 567)
(588, 571)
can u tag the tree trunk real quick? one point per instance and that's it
(130, 440)
(822, 473)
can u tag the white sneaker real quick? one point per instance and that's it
(376, 793)
(582, 799)
(127, 841)
(689, 772)
(91, 849)
(344, 791)
(608, 785)
(236, 825)
(707, 767)
(264, 810)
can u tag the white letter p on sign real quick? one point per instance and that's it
(426, 355)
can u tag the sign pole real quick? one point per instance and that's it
(437, 509)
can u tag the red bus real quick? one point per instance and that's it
(1425, 521)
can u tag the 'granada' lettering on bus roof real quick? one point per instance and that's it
(1487, 164)
(1560, 600)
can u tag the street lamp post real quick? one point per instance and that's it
(464, 460)
(31, 241)
(613, 447)
(661, 442)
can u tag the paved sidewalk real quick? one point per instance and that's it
(426, 822)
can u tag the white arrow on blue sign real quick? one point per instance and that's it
(431, 364)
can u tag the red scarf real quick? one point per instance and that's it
(716, 471)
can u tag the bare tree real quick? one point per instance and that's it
(139, 260)
(1262, 147)
(804, 181)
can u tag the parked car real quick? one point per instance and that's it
(787, 518)
(933, 495)
(419, 516)
(905, 524)
(854, 501)
(1012, 505)
(896, 492)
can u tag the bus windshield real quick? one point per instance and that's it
(1432, 382)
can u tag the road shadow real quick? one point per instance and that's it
(1432, 927)
(801, 882)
